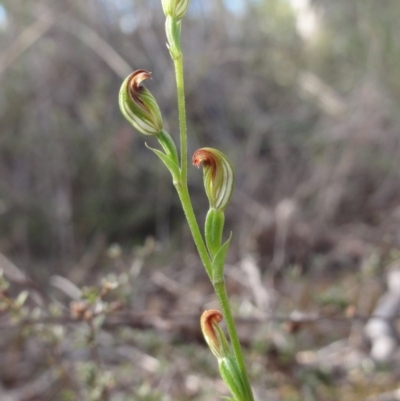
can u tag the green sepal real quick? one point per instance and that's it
(168, 145)
(232, 377)
(170, 164)
(218, 262)
(213, 230)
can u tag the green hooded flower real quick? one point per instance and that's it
(138, 105)
(218, 176)
(219, 346)
(213, 334)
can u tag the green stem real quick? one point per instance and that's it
(184, 197)
(219, 286)
(181, 186)
(194, 227)
(220, 290)
(180, 87)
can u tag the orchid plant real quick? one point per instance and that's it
(140, 108)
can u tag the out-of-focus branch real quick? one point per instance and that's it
(330, 101)
(24, 41)
(90, 38)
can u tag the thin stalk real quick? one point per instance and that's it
(180, 87)
(220, 290)
(181, 186)
(219, 286)
(184, 197)
(194, 227)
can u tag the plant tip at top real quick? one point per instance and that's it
(175, 8)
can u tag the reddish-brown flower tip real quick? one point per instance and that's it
(213, 334)
(134, 81)
(207, 157)
(208, 318)
(137, 77)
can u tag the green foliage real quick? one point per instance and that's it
(334, 297)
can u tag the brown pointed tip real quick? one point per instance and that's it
(200, 156)
(137, 77)
(206, 322)
(196, 161)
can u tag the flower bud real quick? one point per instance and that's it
(218, 176)
(219, 346)
(213, 334)
(138, 105)
(175, 8)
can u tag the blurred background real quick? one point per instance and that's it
(102, 289)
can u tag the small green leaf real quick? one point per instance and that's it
(173, 32)
(218, 262)
(213, 230)
(170, 164)
(168, 145)
(232, 377)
